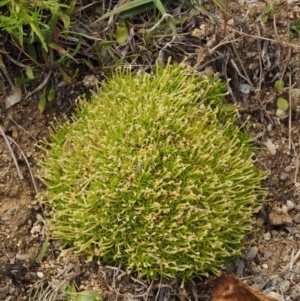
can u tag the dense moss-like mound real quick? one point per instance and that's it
(152, 173)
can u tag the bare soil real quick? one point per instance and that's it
(248, 51)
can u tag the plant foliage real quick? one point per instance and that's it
(16, 16)
(153, 173)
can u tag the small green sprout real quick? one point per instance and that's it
(282, 108)
(270, 10)
(279, 85)
(154, 174)
(282, 104)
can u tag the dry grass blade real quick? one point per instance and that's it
(25, 159)
(41, 85)
(266, 39)
(12, 153)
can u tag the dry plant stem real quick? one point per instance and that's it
(290, 112)
(12, 153)
(21, 128)
(27, 163)
(3, 51)
(295, 285)
(259, 84)
(275, 27)
(241, 63)
(287, 267)
(239, 73)
(296, 168)
(266, 39)
(41, 85)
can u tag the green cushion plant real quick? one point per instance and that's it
(154, 174)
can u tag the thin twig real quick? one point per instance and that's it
(287, 267)
(290, 113)
(41, 85)
(266, 39)
(12, 153)
(27, 163)
(22, 128)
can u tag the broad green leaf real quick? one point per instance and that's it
(31, 50)
(296, 26)
(19, 81)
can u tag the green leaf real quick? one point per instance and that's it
(19, 81)
(106, 43)
(138, 6)
(124, 7)
(296, 26)
(140, 9)
(49, 32)
(29, 72)
(122, 33)
(70, 291)
(42, 101)
(31, 50)
(43, 250)
(88, 296)
(270, 10)
(51, 94)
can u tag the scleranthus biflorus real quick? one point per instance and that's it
(154, 174)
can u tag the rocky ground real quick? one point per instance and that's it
(251, 53)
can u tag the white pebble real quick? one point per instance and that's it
(267, 236)
(271, 147)
(40, 274)
(251, 254)
(290, 205)
(270, 127)
(284, 209)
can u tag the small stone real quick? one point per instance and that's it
(271, 147)
(268, 254)
(284, 286)
(269, 127)
(229, 267)
(284, 209)
(267, 236)
(265, 266)
(276, 296)
(290, 205)
(40, 274)
(260, 222)
(22, 256)
(296, 219)
(280, 218)
(276, 281)
(274, 233)
(251, 254)
(262, 249)
(283, 177)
